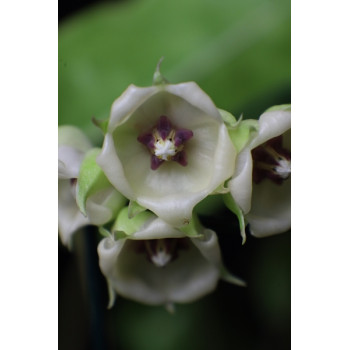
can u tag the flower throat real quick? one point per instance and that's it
(272, 161)
(166, 143)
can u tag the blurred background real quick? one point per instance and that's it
(239, 53)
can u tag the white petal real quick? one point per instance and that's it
(69, 161)
(71, 136)
(271, 209)
(70, 219)
(156, 228)
(172, 190)
(112, 167)
(101, 206)
(271, 124)
(185, 279)
(128, 102)
(209, 247)
(241, 184)
(192, 93)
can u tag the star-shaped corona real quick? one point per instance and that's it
(166, 143)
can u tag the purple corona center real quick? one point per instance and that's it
(161, 252)
(166, 143)
(272, 161)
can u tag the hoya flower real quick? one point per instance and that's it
(261, 186)
(167, 148)
(72, 146)
(98, 201)
(157, 264)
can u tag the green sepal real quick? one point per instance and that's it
(286, 107)
(104, 232)
(231, 204)
(90, 180)
(193, 228)
(222, 189)
(119, 235)
(228, 118)
(158, 78)
(230, 278)
(115, 236)
(130, 225)
(243, 132)
(101, 124)
(134, 209)
(240, 131)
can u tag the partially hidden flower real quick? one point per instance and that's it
(261, 185)
(99, 201)
(72, 146)
(167, 148)
(156, 264)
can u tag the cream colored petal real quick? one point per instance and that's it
(127, 103)
(109, 251)
(69, 161)
(192, 93)
(70, 219)
(241, 183)
(185, 279)
(271, 208)
(101, 206)
(271, 124)
(112, 167)
(172, 190)
(209, 247)
(72, 136)
(156, 228)
(174, 198)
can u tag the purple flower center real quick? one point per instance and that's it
(166, 143)
(272, 161)
(161, 252)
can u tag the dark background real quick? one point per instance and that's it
(70, 8)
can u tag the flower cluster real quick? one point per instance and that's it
(166, 148)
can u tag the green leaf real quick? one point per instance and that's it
(237, 51)
(231, 204)
(90, 180)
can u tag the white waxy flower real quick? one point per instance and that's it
(158, 264)
(167, 148)
(261, 184)
(72, 146)
(74, 149)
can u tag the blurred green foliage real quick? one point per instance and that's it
(238, 51)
